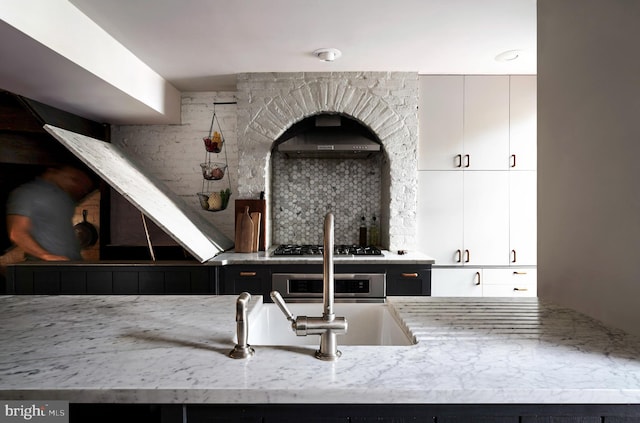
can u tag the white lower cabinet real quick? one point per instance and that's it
(460, 282)
(484, 282)
(512, 282)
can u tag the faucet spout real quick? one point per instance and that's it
(328, 291)
(328, 326)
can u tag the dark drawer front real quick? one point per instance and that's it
(406, 280)
(255, 280)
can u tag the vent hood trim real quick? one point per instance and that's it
(328, 136)
(148, 194)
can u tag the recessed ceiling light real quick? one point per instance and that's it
(327, 54)
(508, 56)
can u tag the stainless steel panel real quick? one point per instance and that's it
(377, 284)
(151, 196)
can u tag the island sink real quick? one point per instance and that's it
(369, 324)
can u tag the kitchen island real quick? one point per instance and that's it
(172, 350)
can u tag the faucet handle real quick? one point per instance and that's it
(277, 298)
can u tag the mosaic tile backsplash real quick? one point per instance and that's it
(304, 190)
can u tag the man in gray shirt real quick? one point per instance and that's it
(40, 213)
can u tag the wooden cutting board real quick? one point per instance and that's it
(255, 218)
(244, 232)
(259, 206)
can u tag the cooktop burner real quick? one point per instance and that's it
(316, 250)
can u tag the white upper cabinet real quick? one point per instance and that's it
(523, 123)
(523, 218)
(440, 215)
(463, 217)
(441, 122)
(486, 123)
(486, 218)
(477, 122)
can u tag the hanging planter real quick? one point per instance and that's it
(211, 199)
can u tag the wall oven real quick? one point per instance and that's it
(349, 287)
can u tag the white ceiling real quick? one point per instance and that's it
(200, 45)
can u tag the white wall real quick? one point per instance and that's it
(589, 158)
(173, 154)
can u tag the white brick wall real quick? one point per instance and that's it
(268, 104)
(173, 154)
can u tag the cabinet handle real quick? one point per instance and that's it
(513, 255)
(467, 256)
(467, 160)
(477, 278)
(458, 160)
(520, 289)
(459, 256)
(519, 273)
(513, 160)
(247, 273)
(409, 275)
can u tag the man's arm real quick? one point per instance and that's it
(19, 230)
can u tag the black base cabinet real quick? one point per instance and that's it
(254, 279)
(409, 280)
(190, 278)
(356, 413)
(124, 279)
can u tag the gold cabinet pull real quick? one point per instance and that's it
(513, 160)
(467, 160)
(247, 273)
(513, 256)
(477, 278)
(520, 289)
(519, 273)
(467, 256)
(459, 256)
(409, 275)
(458, 160)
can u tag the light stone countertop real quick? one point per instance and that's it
(262, 257)
(173, 349)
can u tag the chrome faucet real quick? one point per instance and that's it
(328, 326)
(242, 348)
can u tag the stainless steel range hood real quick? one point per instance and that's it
(149, 195)
(328, 136)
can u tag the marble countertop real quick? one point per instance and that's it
(262, 257)
(173, 349)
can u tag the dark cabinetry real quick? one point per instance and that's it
(123, 279)
(181, 277)
(408, 280)
(358, 413)
(401, 279)
(403, 413)
(235, 279)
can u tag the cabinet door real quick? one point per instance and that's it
(440, 215)
(486, 218)
(523, 220)
(460, 282)
(486, 123)
(523, 122)
(440, 116)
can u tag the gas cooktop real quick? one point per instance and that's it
(316, 250)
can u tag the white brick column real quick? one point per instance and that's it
(386, 102)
